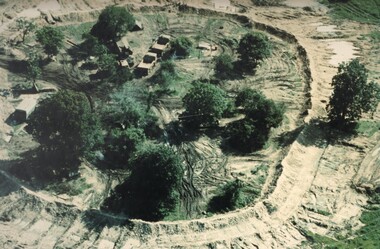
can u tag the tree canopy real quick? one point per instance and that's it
(51, 39)
(65, 126)
(182, 46)
(253, 48)
(113, 23)
(151, 191)
(25, 26)
(229, 198)
(261, 114)
(33, 68)
(122, 144)
(223, 66)
(204, 104)
(352, 94)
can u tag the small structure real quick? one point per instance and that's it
(138, 26)
(148, 62)
(24, 109)
(206, 46)
(223, 5)
(160, 45)
(123, 47)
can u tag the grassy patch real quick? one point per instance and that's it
(72, 188)
(76, 31)
(367, 128)
(367, 237)
(365, 11)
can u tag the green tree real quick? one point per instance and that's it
(107, 64)
(352, 94)
(51, 39)
(223, 66)
(182, 46)
(92, 46)
(204, 104)
(33, 68)
(151, 191)
(122, 144)
(112, 24)
(128, 108)
(25, 26)
(261, 114)
(253, 48)
(65, 127)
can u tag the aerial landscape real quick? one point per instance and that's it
(190, 124)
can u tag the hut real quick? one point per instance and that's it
(24, 109)
(160, 45)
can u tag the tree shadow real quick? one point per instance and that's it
(320, 133)
(39, 168)
(287, 138)
(96, 220)
(176, 133)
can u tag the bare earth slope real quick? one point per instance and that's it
(314, 190)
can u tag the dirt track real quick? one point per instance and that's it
(313, 191)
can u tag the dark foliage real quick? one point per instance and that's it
(204, 104)
(113, 23)
(229, 198)
(65, 127)
(261, 114)
(182, 46)
(352, 95)
(151, 191)
(253, 48)
(51, 39)
(121, 144)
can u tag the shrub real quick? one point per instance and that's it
(182, 46)
(229, 198)
(204, 104)
(253, 48)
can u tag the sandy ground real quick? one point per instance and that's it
(313, 191)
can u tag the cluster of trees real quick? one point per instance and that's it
(261, 114)
(121, 132)
(253, 48)
(230, 197)
(205, 104)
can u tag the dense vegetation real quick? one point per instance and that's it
(224, 66)
(352, 94)
(51, 39)
(230, 197)
(151, 191)
(182, 46)
(113, 23)
(204, 104)
(253, 48)
(365, 11)
(66, 128)
(261, 114)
